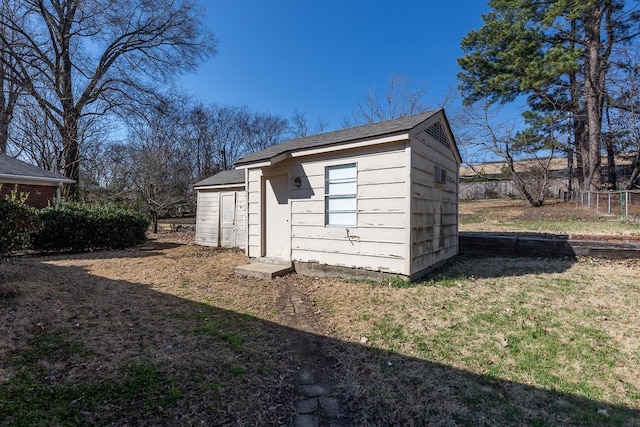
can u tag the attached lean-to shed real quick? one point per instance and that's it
(222, 210)
(378, 198)
(44, 187)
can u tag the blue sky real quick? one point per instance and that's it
(321, 57)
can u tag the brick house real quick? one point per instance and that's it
(44, 187)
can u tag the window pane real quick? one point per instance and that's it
(341, 204)
(341, 218)
(341, 172)
(341, 188)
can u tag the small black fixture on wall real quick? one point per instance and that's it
(297, 182)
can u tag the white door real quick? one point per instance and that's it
(228, 219)
(208, 218)
(277, 227)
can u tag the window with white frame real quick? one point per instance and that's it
(340, 195)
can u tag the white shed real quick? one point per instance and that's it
(221, 211)
(378, 198)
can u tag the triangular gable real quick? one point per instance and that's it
(437, 127)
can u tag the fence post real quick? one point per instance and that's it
(609, 204)
(626, 205)
(597, 202)
(621, 206)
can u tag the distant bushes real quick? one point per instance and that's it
(18, 223)
(71, 227)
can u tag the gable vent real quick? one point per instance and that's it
(436, 131)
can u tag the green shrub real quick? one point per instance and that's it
(77, 227)
(17, 225)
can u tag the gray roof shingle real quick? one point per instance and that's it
(234, 176)
(388, 127)
(10, 166)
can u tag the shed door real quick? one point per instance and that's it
(277, 228)
(208, 218)
(227, 219)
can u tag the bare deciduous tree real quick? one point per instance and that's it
(264, 130)
(35, 137)
(220, 135)
(78, 58)
(623, 113)
(299, 126)
(485, 136)
(159, 166)
(400, 99)
(9, 89)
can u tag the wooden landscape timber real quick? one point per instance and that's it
(607, 247)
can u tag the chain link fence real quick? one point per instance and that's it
(624, 203)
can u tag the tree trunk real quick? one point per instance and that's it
(71, 151)
(578, 127)
(4, 131)
(519, 182)
(635, 174)
(545, 177)
(592, 158)
(612, 178)
(582, 151)
(8, 97)
(569, 169)
(70, 112)
(598, 23)
(154, 221)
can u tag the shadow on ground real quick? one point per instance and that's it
(78, 349)
(466, 266)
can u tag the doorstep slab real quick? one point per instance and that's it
(261, 270)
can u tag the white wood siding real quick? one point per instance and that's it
(376, 242)
(434, 207)
(241, 219)
(207, 218)
(254, 213)
(208, 225)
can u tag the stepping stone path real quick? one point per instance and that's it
(317, 404)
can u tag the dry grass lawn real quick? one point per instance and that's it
(555, 217)
(166, 335)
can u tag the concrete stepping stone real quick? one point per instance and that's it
(306, 406)
(315, 390)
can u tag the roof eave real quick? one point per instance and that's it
(58, 181)
(218, 186)
(336, 146)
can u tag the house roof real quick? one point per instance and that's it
(497, 168)
(14, 169)
(230, 177)
(379, 129)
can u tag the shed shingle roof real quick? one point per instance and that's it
(14, 168)
(234, 176)
(388, 127)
